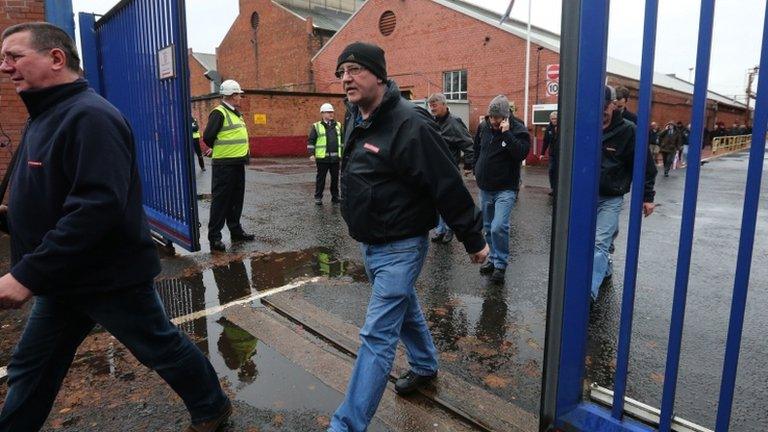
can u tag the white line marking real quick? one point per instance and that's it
(216, 309)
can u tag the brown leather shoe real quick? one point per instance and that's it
(214, 424)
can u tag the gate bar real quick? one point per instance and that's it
(746, 242)
(636, 207)
(689, 214)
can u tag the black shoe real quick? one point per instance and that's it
(448, 237)
(318, 201)
(218, 246)
(242, 236)
(438, 238)
(498, 275)
(214, 424)
(410, 382)
(487, 268)
(666, 173)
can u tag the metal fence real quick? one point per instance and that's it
(136, 57)
(583, 61)
(728, 144)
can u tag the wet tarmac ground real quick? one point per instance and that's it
(284, 357)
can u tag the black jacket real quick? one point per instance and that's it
(459, 141)
(551, 141)
(617, 163)
(331, 142)
(397, 175)
(499, 155)
(75, 213)
(628, 115)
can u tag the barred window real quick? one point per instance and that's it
(455, 85)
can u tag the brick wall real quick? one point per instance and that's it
(199, 85)
(14, 114)
(276, 55)
(493, 58)
(289, 116)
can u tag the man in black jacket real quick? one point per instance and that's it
(80, 241)
(459, 142)
(622, 95)
(396, 170)
(501, 144)
(552, 142)
(618, 150)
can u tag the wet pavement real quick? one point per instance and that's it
(490, 338)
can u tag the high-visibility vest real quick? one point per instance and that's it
(232, 139)
(321, 144)
(196, 134)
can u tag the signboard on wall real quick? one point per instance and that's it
(165, 63)
(260, 119)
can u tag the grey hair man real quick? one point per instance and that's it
(456, 135)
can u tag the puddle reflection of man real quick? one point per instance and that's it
(396, 170)
(80, 242)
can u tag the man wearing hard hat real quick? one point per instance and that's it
(324, 147)
(227, 136)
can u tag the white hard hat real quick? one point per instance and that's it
(326, 107)
(230, 87)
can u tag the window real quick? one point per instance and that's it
(455, 85)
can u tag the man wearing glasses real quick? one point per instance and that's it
(397, 175)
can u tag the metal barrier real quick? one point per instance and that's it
(136, 57)
(583, 61)
(726, 144)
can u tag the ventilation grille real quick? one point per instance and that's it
(387, 23)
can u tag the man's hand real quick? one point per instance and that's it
(208, 152)
(505, 125)
(467, 173)
(12, 293)
(648, 208)
(479, 257)
(312, 158)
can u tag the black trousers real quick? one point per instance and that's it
(669, 159)
(227, 192)
(322, 171)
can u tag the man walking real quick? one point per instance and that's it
(459, 141)
(501, 144)
(552, 142)
(396, 171)
(324, 147)
(618, 149)
(670, 143)
(80, 242)
(227, 135)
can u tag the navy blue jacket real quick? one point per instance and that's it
(75, 214)
(498, 155)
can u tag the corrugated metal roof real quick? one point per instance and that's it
(322, 18)
(551, 41)
(207, 60)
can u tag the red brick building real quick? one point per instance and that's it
(278, 122)
(271, 42)
(14, 114)
(461, 50)
(199, 64)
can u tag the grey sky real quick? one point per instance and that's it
(736, 39)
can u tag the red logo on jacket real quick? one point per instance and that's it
(34, 164)
(371, 148)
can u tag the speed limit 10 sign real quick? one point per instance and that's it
(553, 88)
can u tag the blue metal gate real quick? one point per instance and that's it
(583, 60)
(136, 57)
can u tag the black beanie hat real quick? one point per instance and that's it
(367, 55)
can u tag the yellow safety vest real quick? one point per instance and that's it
(196, 134)
(321, 144)
(232, 139)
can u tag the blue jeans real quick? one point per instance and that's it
(497, 206)
(442, 227)
(58, 324)
(608, 209)
(393, 314)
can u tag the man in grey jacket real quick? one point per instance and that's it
(459, 141)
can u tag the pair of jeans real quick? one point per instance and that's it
(227, 194)
(608, 210)
(322, 172)
(442, 227)
(136, 317)
(497, 206)
(393, 314)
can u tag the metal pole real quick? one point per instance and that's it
(538, 71)
(527, 65)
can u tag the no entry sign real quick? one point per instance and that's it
(553, 72)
